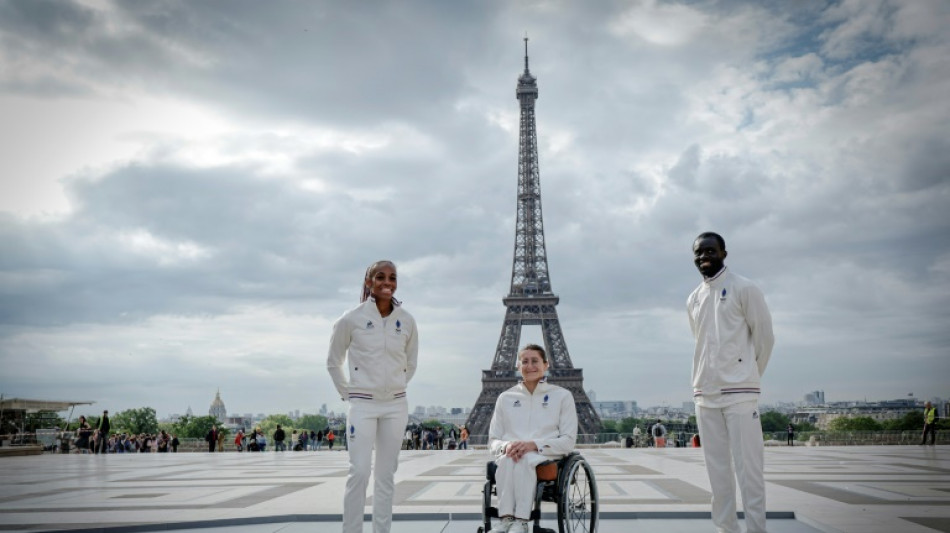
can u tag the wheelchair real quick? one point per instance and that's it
(568, 482)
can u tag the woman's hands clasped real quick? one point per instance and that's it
(516, 449)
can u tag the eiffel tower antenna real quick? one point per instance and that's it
(530, 302)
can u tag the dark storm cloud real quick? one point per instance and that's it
(810, 135)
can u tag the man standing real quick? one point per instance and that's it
(279, 437)
(104, 427)
(659, 434)
(212, 438)
(733, 330)
(791, 434)
(930, 415)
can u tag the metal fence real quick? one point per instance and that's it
(55, 442)
(858, 438)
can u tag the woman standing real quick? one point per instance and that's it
(379, 344)
(533, 422)
(83, 433)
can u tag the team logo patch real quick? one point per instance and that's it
(398, 327)
(722, 296)
(517, 403)
(352, 431)
(544, 402)
(755, 415)
(369, 325)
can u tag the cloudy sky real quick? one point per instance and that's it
(191, 191)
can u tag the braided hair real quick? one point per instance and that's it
(367, 279)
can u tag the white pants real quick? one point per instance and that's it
(732, 438)
(515, 484)
(380, 425)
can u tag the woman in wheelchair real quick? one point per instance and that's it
(533, 422)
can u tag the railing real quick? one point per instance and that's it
(56, 442)
(603, 440)
(859, 438)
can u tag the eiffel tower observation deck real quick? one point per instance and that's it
(530, 302)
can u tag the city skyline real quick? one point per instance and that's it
(192, 192)
(339, 408)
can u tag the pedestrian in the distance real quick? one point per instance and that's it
(930, 420)
(379, 344)
(212, 438)
(104, 428)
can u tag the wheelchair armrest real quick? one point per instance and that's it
(490, 471)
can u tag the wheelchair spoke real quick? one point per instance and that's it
(579, 502)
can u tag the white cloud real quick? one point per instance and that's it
(661, 24)
(227, 182)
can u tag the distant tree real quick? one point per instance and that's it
(626, 425)
(312, 422)
(608, 426)
(860, 423)
(911, 421)
(773, 421)
(196, 427)
(269, 424)
(133, 421)
(805, 427)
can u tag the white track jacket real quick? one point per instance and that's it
(733, 330)
(547, 417)
(381, 357)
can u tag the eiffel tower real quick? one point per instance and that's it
(530, 301)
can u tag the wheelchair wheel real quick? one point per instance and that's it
(577, 506)
(486, 505)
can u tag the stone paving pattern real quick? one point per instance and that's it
(862, 489)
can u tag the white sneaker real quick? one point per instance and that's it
(504, 526)
(523, 526)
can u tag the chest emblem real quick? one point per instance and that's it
(517, 403)
(369, 325)
(544, 402)
(722, 296)
(398, 327)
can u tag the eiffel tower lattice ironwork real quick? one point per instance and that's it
(530, 301)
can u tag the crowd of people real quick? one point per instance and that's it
(255, 440)
(435, 438)
(100, 440)
(87, 439)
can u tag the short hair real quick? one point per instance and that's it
(535, 347)
(718, 237)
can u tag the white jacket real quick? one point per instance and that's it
(547, 417)
(381, 359)
(733, 330)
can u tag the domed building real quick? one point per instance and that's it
(217, 409)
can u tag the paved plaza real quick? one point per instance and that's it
(861, 489)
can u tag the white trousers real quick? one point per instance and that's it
(515, 484)
(380, 425)
(732, 446)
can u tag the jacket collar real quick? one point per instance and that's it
(396, 303)
(719, 275)
(542, 386)
(370, 303)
